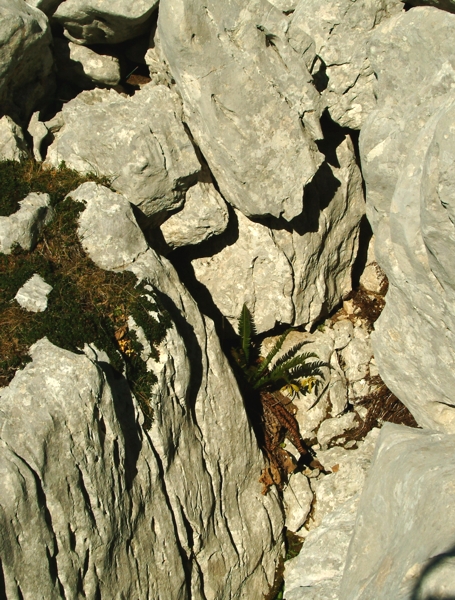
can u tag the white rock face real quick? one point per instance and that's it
(25, 58)
(407, 154)
(107, 227)
(204, 215)
(259, 146)
(81, 65)
(341, 30)
(292, 275)
(178, 508)
(39, 132)
(104, 21)
(33, 294)
(402, 545)
(23, 226)
(140, 142)
(297, 499)
(12, 142)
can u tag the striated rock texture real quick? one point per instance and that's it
(403, 545)
(140, 142)
(407, 151)
(292, 274)
(94, 505)
(341, 30)
(25, 59)
(248, 99)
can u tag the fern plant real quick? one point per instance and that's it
(291, 372)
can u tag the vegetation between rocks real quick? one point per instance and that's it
(87, 305)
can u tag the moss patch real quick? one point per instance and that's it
(86, 304)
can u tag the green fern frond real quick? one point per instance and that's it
(285, 371)
(291, 353)
(271, 355)
(246, 330)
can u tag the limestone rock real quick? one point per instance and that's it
(297, 499)
(139, 142)
(107, 227)
(349, 469)
(407, 151)
(23, 226)
(104, 21)
(315, 574)
(33, 294)
(291, 275)
(334, 427)
(84, 67)
(177, 508)
(25, 59)
(204, 215)
(259, 146)
(402, 546)
(341, 30)
(12, 142)
(39, 132)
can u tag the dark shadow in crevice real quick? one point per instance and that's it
(365, 235)
(407, 6)
(333, 136)
(126, 416)
(320, 77)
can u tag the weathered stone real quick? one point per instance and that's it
(107, 227)
(402, 546)
(33, 294)
(335, 427)
(39, 132)
(349, 468)
(23, 226)
(178, 508)
(315, 574)
(297, 499)
(295, 275)
(220, 55)
(204, 215)
(407, 150)
(139, 142)
(104, 21)
(84, 67)
(12, 142)
(25, 59)
(341, 30)
(356, 357)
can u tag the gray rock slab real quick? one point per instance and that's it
(292, 275)
(107, 227)
(12, 142)
(259, 146)
(25, 59)
(139, 142)
(407, 150)
(204, 215)
(403, 541)
(85, 67)
(104, 21)
(23, 226)
(341, 30)
(297, 500)
(315, 574)
(39, 132)
(33, 294)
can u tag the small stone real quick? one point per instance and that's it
(297, 499)
(334, 427)
(12, 142)
(33, 294)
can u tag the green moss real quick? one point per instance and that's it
(86, 305)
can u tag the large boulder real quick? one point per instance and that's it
(249, 100)
(139, 142)
(403, 544)
(93, 502)
(296, 274)
(341, 30)
(408, 151)
(100, 21)
(25, 59)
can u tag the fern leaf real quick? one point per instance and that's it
(246, 330)
(271, 355)
(290, 353)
